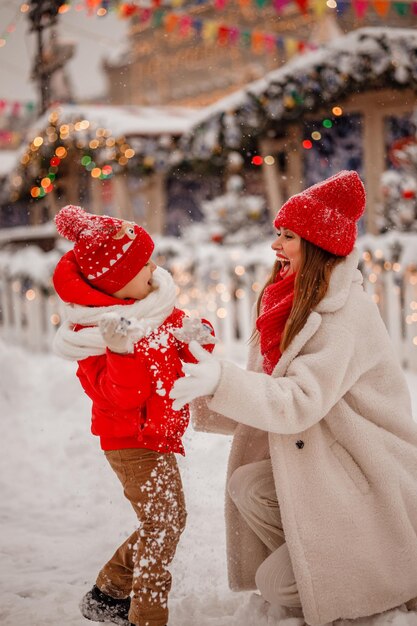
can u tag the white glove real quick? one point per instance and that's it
(119, 334)
(202, 380)
(193, 329)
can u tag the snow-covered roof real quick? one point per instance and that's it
(23, 233)
(364, 59)
(125, 120)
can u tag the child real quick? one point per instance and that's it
(129, 339)
(322, 476)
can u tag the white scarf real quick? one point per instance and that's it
(149, 313)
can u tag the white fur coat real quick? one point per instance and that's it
(348, 493)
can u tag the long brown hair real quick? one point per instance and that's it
(311, 284)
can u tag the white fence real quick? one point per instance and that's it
(217, 284)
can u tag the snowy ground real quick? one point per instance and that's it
(62, 511)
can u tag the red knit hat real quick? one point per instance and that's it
(326, 213)
(109, 251)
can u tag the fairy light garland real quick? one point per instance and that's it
(101, 154)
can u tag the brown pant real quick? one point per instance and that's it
(152, 484)
(252, 489)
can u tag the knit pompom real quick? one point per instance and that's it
(71, 221)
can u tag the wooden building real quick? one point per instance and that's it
(342, 107)
(162, 65)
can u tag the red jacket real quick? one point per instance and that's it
(130, 392)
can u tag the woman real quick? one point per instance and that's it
(322, 480)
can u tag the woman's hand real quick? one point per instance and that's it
(202, 380)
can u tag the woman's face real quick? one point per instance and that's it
(287, 247)
(140, 286)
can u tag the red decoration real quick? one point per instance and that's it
(408, 194)
(397, 159)
(360, 8)
(223, 35)
(217, 238)
(303, 4)
(127, 10)
(257, 160)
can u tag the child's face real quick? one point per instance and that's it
(140, 286)
(287, 247)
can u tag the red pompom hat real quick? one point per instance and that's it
(109, 251)
(326, 213)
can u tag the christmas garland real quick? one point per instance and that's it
(367, 59)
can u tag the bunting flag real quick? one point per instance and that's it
(381, 7)
(155, 9)
(213, 32)
(138, 7)
(360, 7)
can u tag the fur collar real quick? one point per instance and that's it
(343, 277)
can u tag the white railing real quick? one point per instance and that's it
(222, 286)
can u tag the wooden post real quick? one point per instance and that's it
(6, 306)
(155, 204)
(280, 186)
(72, 179)
(122, 199)
(295, 174)
(272, 177)
(373, 163)
(96, 205)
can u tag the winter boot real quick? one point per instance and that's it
(99, 607)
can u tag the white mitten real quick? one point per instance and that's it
(202, 380)
(193, 329)
(119, 333)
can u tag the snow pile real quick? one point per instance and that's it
(64, 513)
(29, 263)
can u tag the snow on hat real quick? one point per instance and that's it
(109, 251)
(326, 213)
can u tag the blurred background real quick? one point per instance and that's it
(198, 119)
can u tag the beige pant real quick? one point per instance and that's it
(152, 484)
(252, 489)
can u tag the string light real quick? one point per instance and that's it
(257, 160)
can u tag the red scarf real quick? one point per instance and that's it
(276, 306)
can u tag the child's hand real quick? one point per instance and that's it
(119, 334)
(193, 329)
